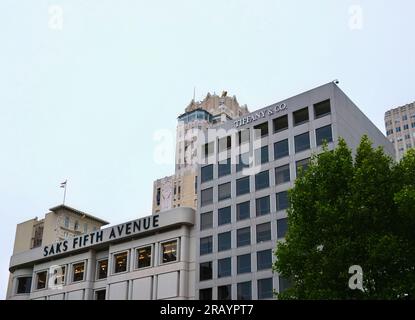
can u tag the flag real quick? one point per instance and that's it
(63, 184)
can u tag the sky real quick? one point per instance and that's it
(86, 86)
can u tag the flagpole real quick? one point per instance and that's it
(64, 194)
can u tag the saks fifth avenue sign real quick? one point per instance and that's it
(109, 234)
(260, 115)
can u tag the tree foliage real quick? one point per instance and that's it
(347, 211)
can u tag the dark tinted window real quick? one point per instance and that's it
(207, 173)
(281, 149)
(206, 220)
(300, 116)
(324, 134)
(243, 237)
(284, 284)
(265, 290)
(280, 123)
(244, 291)
(224, 168)
(206, 245)
(244, 263)
(242, 186)
(225, 292)
(205, 271)
(205, 294)
(243, 211)
(261, 155)
(263, 232)
(302, 142)
(302, 166)
(224, 191)
(206, 197)
(24, 284)
(224, 267)
(282, 227)
(224, 216)
(282, 174)
(262, 206)
(243, 161)
(261, 130)
(224, 241)
(321, 109)
(264, 259)
(282, 200)
(262, 180)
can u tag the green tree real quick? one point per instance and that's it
(347, 211)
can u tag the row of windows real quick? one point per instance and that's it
(67, 222)
(261, 130)
(261, 155)
(243, 237)
(120, 261)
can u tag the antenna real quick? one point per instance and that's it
(194, 93)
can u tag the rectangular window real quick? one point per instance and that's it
(261, 155)
(244, 263)
(261, 130)
(302, 142)
(224, 191)
(321, 109)
(100, 294)
(120, 262)
(263, 232)
(404, 117)
(206, 220)
(205, 294)
(282, 200)
(281, 149)
(243, 237)
(224, 268)
(59, 274)
(41, 280)
(102, 269)
(206, 245)
(224, 216)
(224, 241)
(324, 134)
(262, 180)
(207, 173)
(224, 168)
(205, 271)
(406, 126)
(302, 166)
(282, 174)
(280, 123)
(242, 186)
(398, 129)
(224, 143)
(208, 149)
(264, 259)
(144, 257)
(225, 292)
(78, 271)
(244, 291)
(243, 162)
(207, 197)
(284, 284)
(23, 285)
(243, 211)
(262, 206)
(169, 251)
(243, 136)
(282, 227)
(265, 290)
(300, 116)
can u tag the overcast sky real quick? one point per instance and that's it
(85, 85)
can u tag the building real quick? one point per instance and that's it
(241, 212)
(400, 128)
(179, 189)
(148, 258)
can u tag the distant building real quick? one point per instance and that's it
(400, 128)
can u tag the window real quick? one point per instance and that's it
(158, 196)
(302, 142)
(144, 257)
(102, 269)
(23, 285)
(406, 126)
(224, 191)
(224, 216)
(243, 136)
(66, 222)
(265, 290)
(282, 174)
(263, 232)
(100, 294)
(208, 149)
(242, 186)
(224, 143)
(261, 130)
(206, 245)
(205, 294)
(206, 220)
(302, 166)
(389, 132)
(324, 134)
(225, 292)
(205, 271)
(264, 259)
(41, 280)
(261, 155)
(282, 200)
(243, 211)
(243, 161)
(207, 197)
(262, 180)
(243, 237)
(76, 226)
(244, 263)
(59, 275)
(207, 173)
(284, 284)
(398, 129)
(244, 291)
(300, 116)
(413, 124)
(280, 123)
(78, 271)
(262, 206)
(224, 168)
(407, 136)
(224, 268)
(404, 117)
(85, 228)
(281, 149)
(321, 109)
(282, 227)
(169, 251)
(224, 241)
